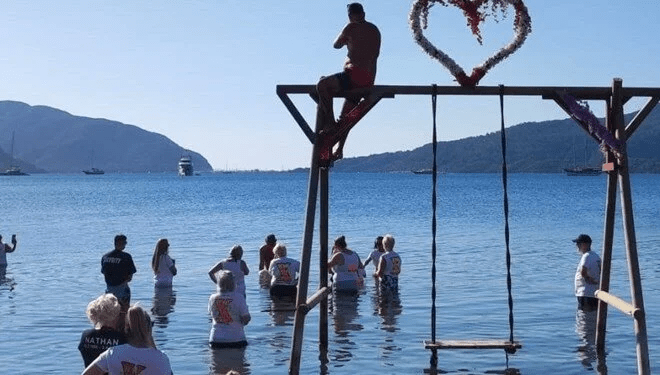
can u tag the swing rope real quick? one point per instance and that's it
(510, 346)
(506, 221)
(434, 98)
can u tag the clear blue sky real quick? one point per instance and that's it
(203, 72)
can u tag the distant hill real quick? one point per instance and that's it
(54, 141)
(533, 147)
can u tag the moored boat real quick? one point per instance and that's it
(94, 171)
(582, 171)
(185, 166)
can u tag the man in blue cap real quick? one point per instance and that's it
(587, 275)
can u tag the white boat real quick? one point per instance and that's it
(185, 166)
(13, 170)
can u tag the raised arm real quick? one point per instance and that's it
(10, 249)
(213, 271)
(342, 39)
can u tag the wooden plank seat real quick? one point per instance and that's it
(509, 346)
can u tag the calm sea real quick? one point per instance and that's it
(65, 223)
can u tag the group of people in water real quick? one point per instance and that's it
(121, 338)
(121, 341)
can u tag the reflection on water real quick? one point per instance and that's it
(228, 359)
(387, 305)
(7, 284)
(282, 310)
(344, 310)
(585, 327)
(163, 304)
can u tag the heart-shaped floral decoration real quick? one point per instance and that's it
(476, 12)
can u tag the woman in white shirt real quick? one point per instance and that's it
(230, 314)
(236, 265)
(162, 264)
(140, 355)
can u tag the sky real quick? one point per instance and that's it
(204, 72)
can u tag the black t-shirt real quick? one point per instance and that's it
(93, 342)
(117, 266)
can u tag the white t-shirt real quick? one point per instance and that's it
(235, 267)
(164, 276)
(226, 309)
(375, 257)
(284, 271)
(127, 359)
(591, 261)
(392, 264)
(348, 270)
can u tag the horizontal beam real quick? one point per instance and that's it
(619, 304)
(583, 93)
(472, 344)
(315, 299)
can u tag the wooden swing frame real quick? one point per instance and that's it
(616, 167)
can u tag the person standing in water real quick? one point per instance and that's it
(389, 266)
(346, 265)
(375, 255)
(162, 265)
(587, 274)
(236, 265)
(118, 268)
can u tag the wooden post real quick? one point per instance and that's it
(643, 366)
(323, 263)
(608, 240)
(303, 280)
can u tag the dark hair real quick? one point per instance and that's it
(355, 8)
(341, 242)
(378, 241)
(270, 239)
(120, 238)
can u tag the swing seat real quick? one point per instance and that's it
(508, 346)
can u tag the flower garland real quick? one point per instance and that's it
(581, 113)
(476, 11)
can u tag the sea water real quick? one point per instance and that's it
(64, 224)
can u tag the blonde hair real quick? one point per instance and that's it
(104, 311)
(161, 248)
(388, 242)
(279, 250)
(138, 327)
(226, 281)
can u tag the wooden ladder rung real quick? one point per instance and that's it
(472, 344)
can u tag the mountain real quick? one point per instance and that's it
(532, 147)
(54, 141)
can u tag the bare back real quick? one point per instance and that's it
(362, 39)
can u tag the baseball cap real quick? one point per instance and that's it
(583, 238)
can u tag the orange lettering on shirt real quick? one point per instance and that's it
(128, 368)
(284, 272)
(222, 305)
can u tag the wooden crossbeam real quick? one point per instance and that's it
(473, 344)
(619, 304)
